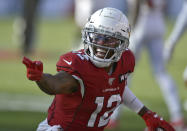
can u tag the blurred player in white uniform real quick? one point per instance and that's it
(179, 29)
(149, 32)
(84, 9)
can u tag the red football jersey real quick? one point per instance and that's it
(90, 108)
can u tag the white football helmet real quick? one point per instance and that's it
(111, 25)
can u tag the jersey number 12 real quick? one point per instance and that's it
(104, 119)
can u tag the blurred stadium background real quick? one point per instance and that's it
(23, 105)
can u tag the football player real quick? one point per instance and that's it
(178, 31)
(24, 27)
(90, 82)
(149, 33)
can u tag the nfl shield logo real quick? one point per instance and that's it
(110, 81)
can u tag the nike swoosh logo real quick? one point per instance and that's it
(68, 62)
(123, 30)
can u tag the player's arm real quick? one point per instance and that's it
(177, 32)
(152, 120)
(59, 83)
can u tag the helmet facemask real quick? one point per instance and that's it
(103, 49)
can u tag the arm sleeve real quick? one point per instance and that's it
(131, 101)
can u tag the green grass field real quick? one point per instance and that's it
(53, 39)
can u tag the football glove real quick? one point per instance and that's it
(154, 122)
(34, 69)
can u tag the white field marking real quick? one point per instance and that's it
(23, 102)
